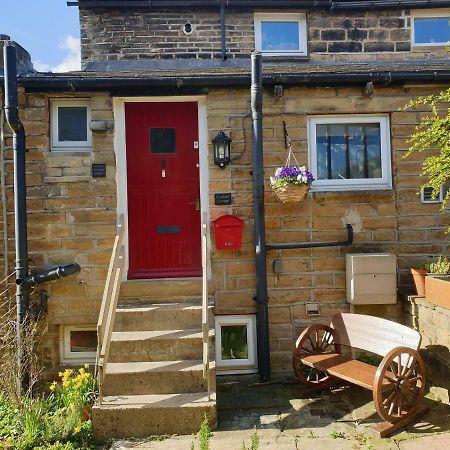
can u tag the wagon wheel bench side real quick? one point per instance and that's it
(397, 384)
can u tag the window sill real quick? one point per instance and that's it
(350, 191)
(277, 58)
(70, 152)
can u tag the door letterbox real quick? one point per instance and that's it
(228, 230)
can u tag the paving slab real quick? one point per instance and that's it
(285, 416)
(435, 442)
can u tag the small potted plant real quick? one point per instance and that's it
(419, 273)
(439, 268)
(291, 183)
(437, 283)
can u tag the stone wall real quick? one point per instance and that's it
(433, 323)
(157, 34)
(72, 215)
(392, 221)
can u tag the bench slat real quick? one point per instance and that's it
(335, 364)
(373, 334)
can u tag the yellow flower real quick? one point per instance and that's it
(53, 386)
(86, 366)
(60, 374)
(77, 429)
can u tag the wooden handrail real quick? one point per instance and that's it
(205, 305)
(108, 307)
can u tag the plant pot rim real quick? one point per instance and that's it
(421, 271)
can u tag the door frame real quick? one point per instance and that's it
(121, 156)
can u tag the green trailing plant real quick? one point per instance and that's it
(204, 434)
(440, 266)
(433, 133)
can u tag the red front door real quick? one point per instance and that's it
(163, 190)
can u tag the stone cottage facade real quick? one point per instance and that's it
(355, 66)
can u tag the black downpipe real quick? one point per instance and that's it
(222, 30)
(20, 194)
(262, 313)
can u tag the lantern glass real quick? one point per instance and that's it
(221, 145)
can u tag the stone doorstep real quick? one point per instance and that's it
(144, 415)
(161, 377)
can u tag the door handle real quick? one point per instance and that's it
(196, 203)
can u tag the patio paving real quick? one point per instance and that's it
(285, 417)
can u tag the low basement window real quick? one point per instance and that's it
(70, 125)
(236, 344)
(78, 344)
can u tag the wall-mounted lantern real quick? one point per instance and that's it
(222, 149)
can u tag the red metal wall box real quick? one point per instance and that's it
(228, 230)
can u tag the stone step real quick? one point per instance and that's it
(161, 377)
(146, 415)
(161, 289)
(161, 345)
(166, 316)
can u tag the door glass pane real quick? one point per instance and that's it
(83, 341)
(280, 36)
(234, 342)
(72, 123)
(432, 30)
(162, 140)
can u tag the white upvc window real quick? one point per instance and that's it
(236, 344)
(78, 344)
(70, 125)
(281, 34)
(350, 152)
(430, 27)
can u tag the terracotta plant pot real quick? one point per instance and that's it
(438, 291)
(419, 280)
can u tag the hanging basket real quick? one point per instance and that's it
(291, 193)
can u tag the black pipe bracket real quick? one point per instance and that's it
(294, 245)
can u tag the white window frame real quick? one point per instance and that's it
(357, 184)
(72, 146)
(300, 18)
(425, 14)
(438, 199)
(230, 366)
(66, 355)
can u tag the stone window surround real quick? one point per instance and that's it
(66, 355)
(427, 13)
(72, 146)
(354, 184)
(230, 366)
(282, 17)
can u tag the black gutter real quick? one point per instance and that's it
(270, 4)
(51, 83)
(293, 245)
(20, 197)
(222, 30)
(262, 311)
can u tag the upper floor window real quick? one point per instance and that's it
(430, 27)
(350, 152)
(281, 34)
(70, 125)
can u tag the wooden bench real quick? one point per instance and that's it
(398, 383)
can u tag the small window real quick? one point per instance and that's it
(430, 28)
(163, 140)
(350, 153)
(281, 34)
(426, 195)
(235, 344)
(70, 125)
(78, 344)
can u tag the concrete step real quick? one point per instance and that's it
(151, 346)
(146, 415)
(161, 289)
(166, 316)
(161, 377)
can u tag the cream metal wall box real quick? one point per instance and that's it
(371, 279)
